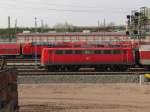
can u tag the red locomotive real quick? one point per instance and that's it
(29, 50)
(103, 58)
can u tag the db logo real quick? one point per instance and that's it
(87, 58)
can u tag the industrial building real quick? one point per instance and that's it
(70, 36)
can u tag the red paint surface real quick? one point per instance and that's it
(9, 49)
(49, 57)
(144, 54)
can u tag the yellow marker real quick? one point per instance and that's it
(147, 76)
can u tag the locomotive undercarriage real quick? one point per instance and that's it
(72, 68)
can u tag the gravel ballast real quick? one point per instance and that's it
(78, 79)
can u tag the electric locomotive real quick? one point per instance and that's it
(107, 58)
(103, 58)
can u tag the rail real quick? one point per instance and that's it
(44, 72)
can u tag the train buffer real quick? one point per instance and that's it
(147, 77)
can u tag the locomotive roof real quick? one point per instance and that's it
(100, 48)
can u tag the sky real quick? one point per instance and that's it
(76, 12)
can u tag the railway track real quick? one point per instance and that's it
(31, 74)
(45, 72)
(33, 69)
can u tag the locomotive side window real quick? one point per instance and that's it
(98, 52)
(59, 52)
(116, 52)
(107, 51)
(78, 52)
(88, 52)
(68, 52)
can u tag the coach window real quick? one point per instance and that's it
(68, 52)
(116, 52)
(107, 51)
(59, 52)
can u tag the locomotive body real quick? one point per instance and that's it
(104, 58)
(29, 50)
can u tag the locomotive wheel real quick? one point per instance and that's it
(72, 68)
(52, 69)
(101, 68)
(63, 68)
(121, 68)
(113, 68)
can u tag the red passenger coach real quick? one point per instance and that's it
(10, 50)
(104, 58)
(144, 52)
